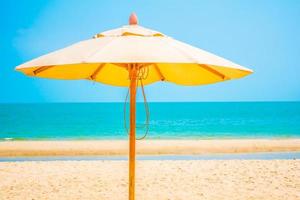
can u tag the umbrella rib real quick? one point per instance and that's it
(204, 66)
(41, 69)
(96, 72)
(210, 69)
(161, 76)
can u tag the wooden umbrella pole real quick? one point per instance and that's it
(133, 79)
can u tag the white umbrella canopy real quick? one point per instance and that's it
(105, 59)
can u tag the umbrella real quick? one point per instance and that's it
(133, 56)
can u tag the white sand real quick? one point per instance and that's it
(156, 180)
(152, 147)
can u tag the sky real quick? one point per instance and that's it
(262, 35)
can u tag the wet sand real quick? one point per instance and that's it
(145, 147)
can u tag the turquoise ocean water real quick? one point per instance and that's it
(65, 121)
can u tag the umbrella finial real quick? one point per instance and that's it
(133, 19)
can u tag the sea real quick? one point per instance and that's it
(168, 120)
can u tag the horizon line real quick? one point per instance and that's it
(86, 102)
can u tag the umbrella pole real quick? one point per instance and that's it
(133, 78)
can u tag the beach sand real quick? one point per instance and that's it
(156, 179)
(145, 147)
(159, 180)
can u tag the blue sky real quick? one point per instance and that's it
(261, 35)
